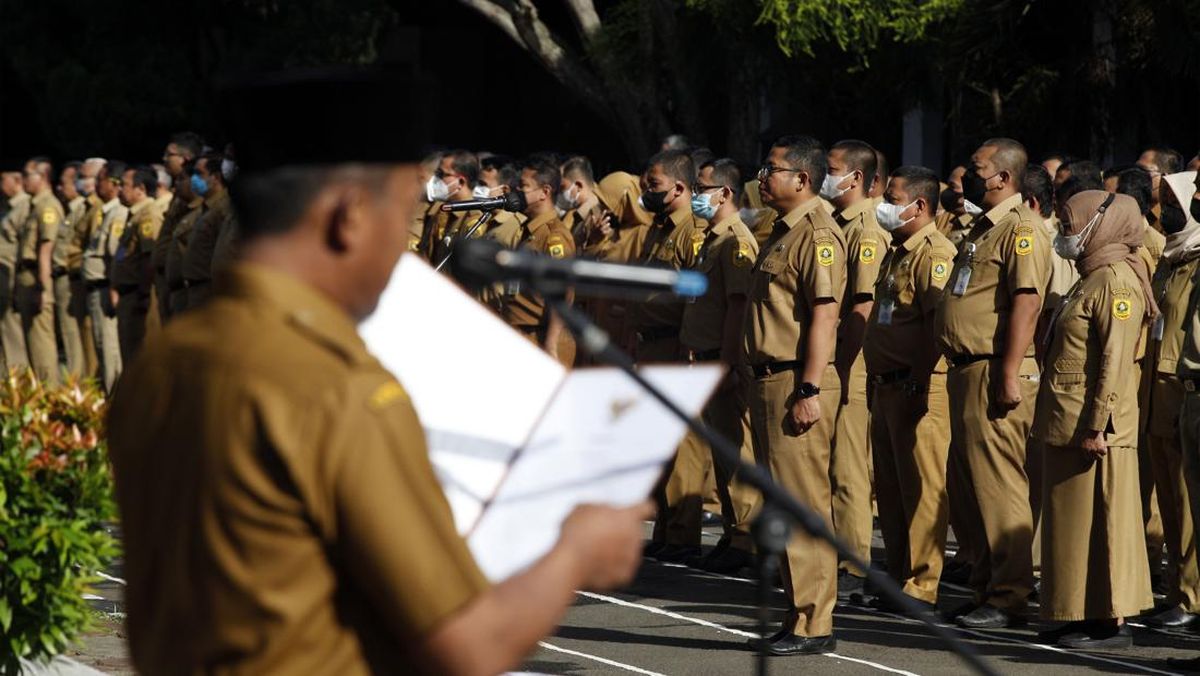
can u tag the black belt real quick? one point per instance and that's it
(961, 360)
(57, 271)
(899, 375)
(95, 283)
(647, 335)
(27, 265)
(1191, 384)
(773, 367)
(707, 355)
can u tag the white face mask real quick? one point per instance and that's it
(971, 208)
(481, 192)
(228, 169)
(436, 189)
(829, 187)
(1070, 247)
(888, 215)
(567, 200)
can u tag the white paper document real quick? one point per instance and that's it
(517, 441)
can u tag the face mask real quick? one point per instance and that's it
(888, 215)
(1172, 219)
(975, 186)
(829, 187)
(971, 208)
(482, 192)
(436, 189)
(199, 185)
(228, 169)
(950, 198)
(1070, 247)
(1195, 208)
(654, 202)
(703, 207)
(566, 200)
(81, 187)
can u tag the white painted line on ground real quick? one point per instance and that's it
(719, 627)
(110, 578)
(601, 660)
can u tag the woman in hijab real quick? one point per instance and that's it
(1094, 566)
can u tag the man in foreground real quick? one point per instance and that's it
(296, 525)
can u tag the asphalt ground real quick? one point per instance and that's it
(675, 620)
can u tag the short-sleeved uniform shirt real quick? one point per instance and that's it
(46, 218)
(1090, 380)
(671, 241)
(103, 240)
(93, 215)
(66, 249)
(866, 245)
(801, 263)
(726, 257)
(1154, 242)
(15, 214)
(136, 247)
(198, 258)
(278, 507)
(912, 278)
(543, 234)
(1189, 349)
(1006, 252)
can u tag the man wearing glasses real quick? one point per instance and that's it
(452, 181)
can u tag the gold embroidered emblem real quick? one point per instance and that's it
(825, 254)
(387, 393)
(867, 254)
(939, 271)
(1121, 308)
(1024, 245)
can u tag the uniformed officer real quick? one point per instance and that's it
(452, 181)
(587, 210)
(97, 266)
(181, 148)
(16, 211)
(209, 184)
(712, 331)
(35, 270)
(1174, 284)
(176, 245)
(852, 168)
(1188, 370)
(228, 234)
(505, 227)
(64, 257)
(543, 233)
(1159, 162)
(426, 208)
(910, 421)
(92, 217)
(793, 388)
(954, 220)
(131, 274)
(352, 564)
(986, 326)
(1094, 570)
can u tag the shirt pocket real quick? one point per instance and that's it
(767, 270)
(1069, 376)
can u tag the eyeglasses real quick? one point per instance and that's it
(444, 174)
(700, 187)
(766, 170)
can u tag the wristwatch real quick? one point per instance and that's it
(807, 391)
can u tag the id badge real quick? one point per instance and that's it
(886, 307)
(1156, 332)
(962, 280)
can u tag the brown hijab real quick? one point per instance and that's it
(1116, 236)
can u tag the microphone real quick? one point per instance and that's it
(512, 201)
(481, 262)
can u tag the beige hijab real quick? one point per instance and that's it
(1116, 236)
(1185, 244)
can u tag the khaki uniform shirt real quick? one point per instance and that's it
(671, 241)
(954, 227)
(45, 220)
(543, 234)
(93, 215)
(198, 257)
(726, 258)
(1154, 242)
(1189, 349)
(994, 263)
(131, 264)
(103, 239)
(66, 247)
(1173, 286)
(506, 229)
(911, 281)
(1063, 274)
(166, 234)
(295, 525)
(226, 246)
(447, 227)
(804, 261)
(866, 244)
(164, 202)
(16, 212)
(177, 245)
(1090, 380)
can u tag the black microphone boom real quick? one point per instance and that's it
(512, 201)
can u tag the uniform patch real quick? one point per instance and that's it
(556, 248)
(867, 253)
(825, 254)
(939, 271)
(148, 229)
(743, 257)
(1121, 308)
(697, 243)
(387, 393)
(49, 216)
(1024, 243)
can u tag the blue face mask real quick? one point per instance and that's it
(703, 207)
(199, 185)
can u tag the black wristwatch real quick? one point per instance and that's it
(807, 391)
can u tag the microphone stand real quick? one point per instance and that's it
(779, 506)
(483, 219)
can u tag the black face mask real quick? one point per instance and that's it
(974, 187)
(655, 202)
(1172, 219)
(950, 199)
(1195, 208)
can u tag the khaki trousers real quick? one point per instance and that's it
(14, 354)
(104, 335)
(729, 417)
(132, 308)
(1166, 463)
(1189, 444)
(1034, 451)
(65, 315)
(910, 441)
(800, 463)
(989, 443)
(1152, 518)
(1093, 549)
(91, 362)
(849, 469)
(37, 322)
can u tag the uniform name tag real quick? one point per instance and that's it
(962, 280)
(886, 307)
(1156, 332)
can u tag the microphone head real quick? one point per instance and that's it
(514, 200)
(691, 284)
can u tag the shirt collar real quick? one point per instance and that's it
(725, 224)
(135, 209)
(540, 221)
(18, 198)
(919, 236)
(219, 199)
(794, 216)
(854, 210)
(997, 212)
(110, 205)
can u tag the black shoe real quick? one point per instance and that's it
(886, 605)
(717, 550)
(1053, 636)
(1171, 618)
(849, 584)
(958, 612)
(989, 617)
(708, 519)
(652, 549)
(1096, 637)
(802, 645)
(677, 553)
(756, 644)
(730, 561)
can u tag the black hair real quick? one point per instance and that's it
(212, 163)
(509, 174)
(1039, 186)
(1086, 169)
(1136, 182)
(145, 176)
(1010, 156)
(676, 164)
(494, 161)
(545, 172)
(465, 163)
(1075, 185)
(273, 202)
(114, 169)
(701, 156)
(804, 153)
(73, 164)
(190, 144)
(41, 161)
(920, 182)
(1168, 159)
(579, 167)
(860, 156)
(725, 172)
